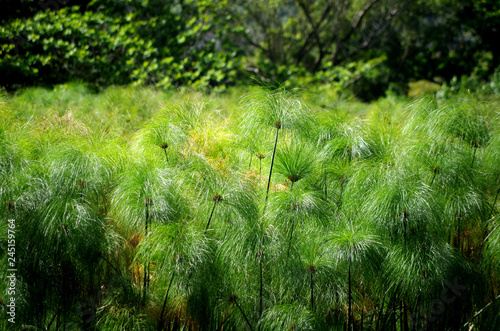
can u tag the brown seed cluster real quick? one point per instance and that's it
(231, 298)
(10, 205)
(277, 124)
(217, 197)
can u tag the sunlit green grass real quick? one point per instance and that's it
(162, 210)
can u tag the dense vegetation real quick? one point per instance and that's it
(368, 46)
(255, 209)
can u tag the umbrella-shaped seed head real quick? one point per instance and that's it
(293, 326)
(217, 197)
(475, 143)
(311, 268)
(293, 178)
(294, 206)
(277, 124)
(148, 202)
(342, 178)
(437, 169)
(260, 156)
(232, 298)
(164, 145)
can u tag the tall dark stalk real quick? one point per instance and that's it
(436, 171)
(294, 207)
(216, 198)
(146, 266)
(260, 255)
(260, 156)
(234, 299)
(326, 182)
(312, 270)
(278, 127)
(475, 144)
(401, 325)
(405, 316)
(350, 299)
(381, 312)
(160, 323)
(405, 218)
(494, 203)
(164, 146)
(485, 226)
(342, 181)
(394, 322)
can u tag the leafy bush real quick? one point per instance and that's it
(180, 47)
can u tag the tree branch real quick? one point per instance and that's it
(315, 33)
(357, 19)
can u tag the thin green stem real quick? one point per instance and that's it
(261, 288)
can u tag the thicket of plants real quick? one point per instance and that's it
(139, 210)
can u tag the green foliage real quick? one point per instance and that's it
(393, 210)
(102, 46)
